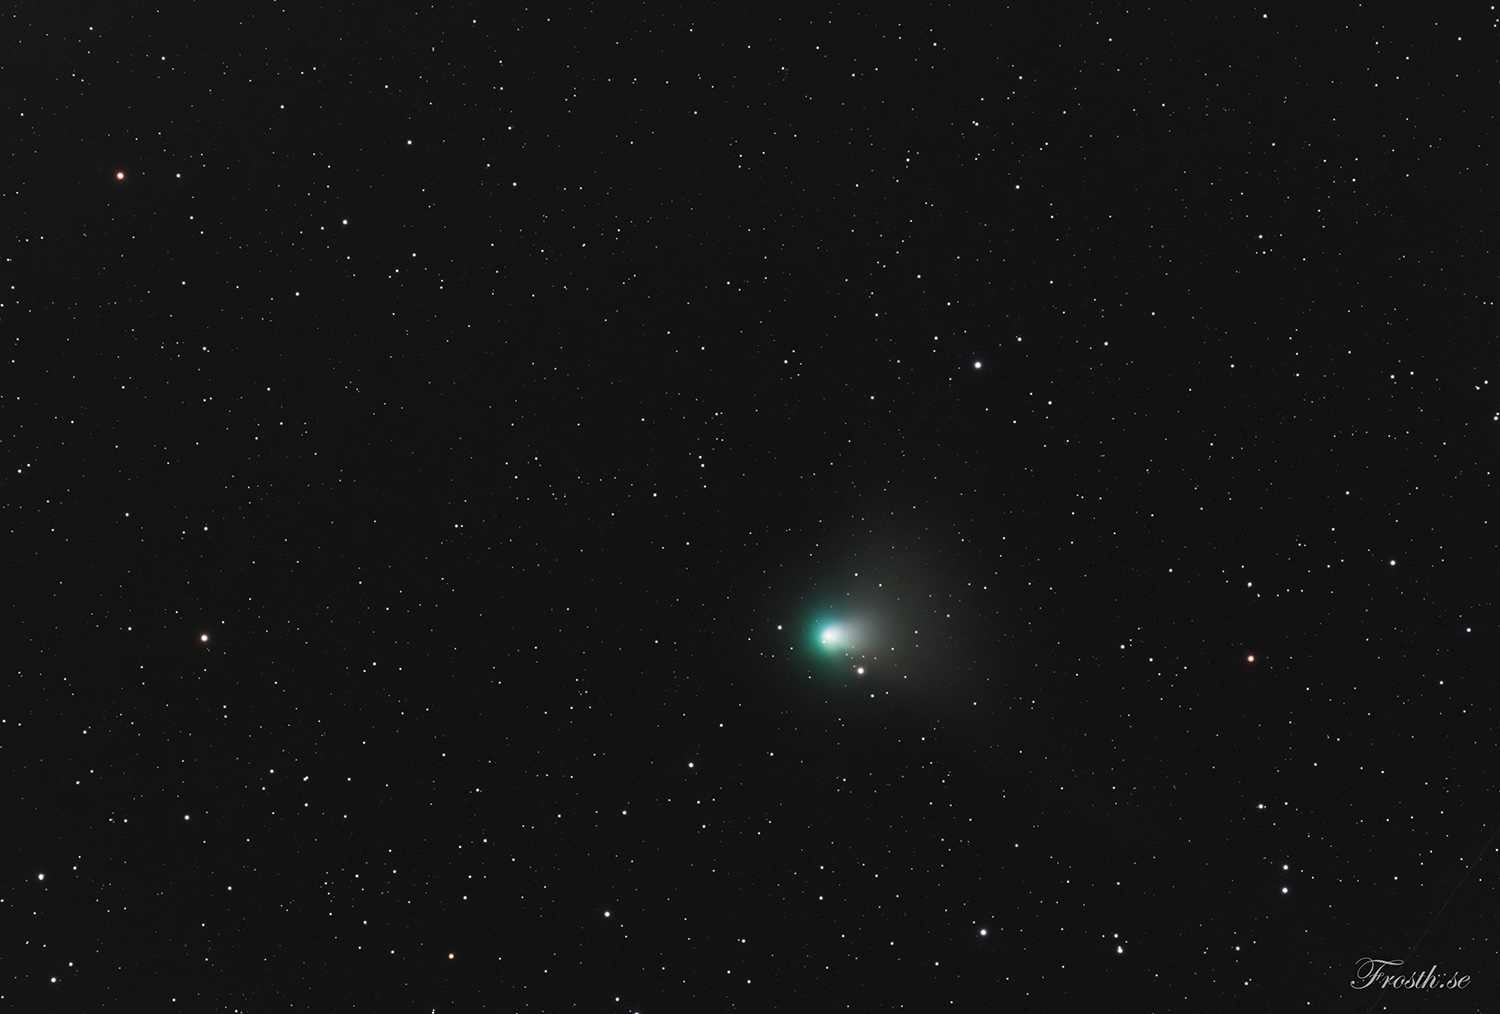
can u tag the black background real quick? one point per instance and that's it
(505, 392)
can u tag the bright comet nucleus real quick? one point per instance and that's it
(842, 639)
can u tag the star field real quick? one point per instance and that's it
(640, 510)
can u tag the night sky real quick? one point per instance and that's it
(644, 508)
